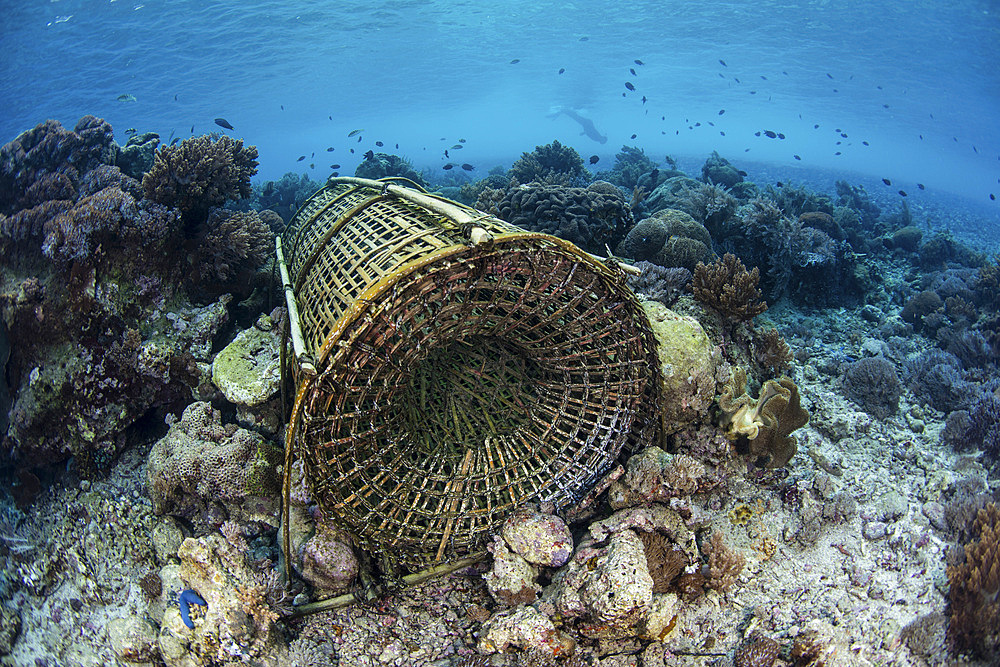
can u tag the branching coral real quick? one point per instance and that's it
(234, 246)
(547, 161)
(728, 287)
(771, 352)
(974, 593)
(631, 163)
(199, 173)
(724, 564)
(762, 428)
(658, 283)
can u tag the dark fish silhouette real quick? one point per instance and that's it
(282, 107)
(397, 147)
(585, 39)
(192, 129)
(796, 157)
(629, 85)
(515, 61)
(448, 166)
(335, 174)
(359, 139)
(446, 153)
(723, 62)
(301, 158)
(594, 159)
(379, 144)
(756, 134)
(638, 62)
(222, 122)
(866, 143)
(993, 197)
(816, 126)
(456, 147)
(174, 142)
(334, 166)
(780, 184)
(370, 155)
(461, 141)
(313, 154)
(354, 133)
(741, 173)
(837, 153)
(843, 134)
(887, 181)
(644, 101)
(722, 111)
(780, 135)
(632, 71)
(921, 186)
(330, 149)
(736, 79)
(633, 136)
(562, 69)
(175, 98)
(468, 167)
(829, 75)
(587, 125)
(763, 77)
(770, 134)
(902, 193)
(312, 165)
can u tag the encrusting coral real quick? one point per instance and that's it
(974, 594)
(729, 288)
(761, 428)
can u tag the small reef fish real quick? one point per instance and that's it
(633, 136)
(644, 101)
(282, 107)
(461, 141)
(887, 181)
(515, 61)
(301, 158)
(628, 84)
(638, 62)
(796, 157)
(446, 153)
(771, 135)
(175, 98)
(312, 165)
(921, 186)
(335, 174)
(379, 144)
(722, 111)
(370, 155)
(330, 149)
(468, 167)
(456, 147)
(594, 159)
(993, 197)
(868, 144)
(780, 135)
(334, 166)
(902, 193)
(126, 97)
(448, 166)
(562, 69)
(354, 133)
(632, 71)
(222, 122)
(192, 129)
(723, 62)
(174, 142)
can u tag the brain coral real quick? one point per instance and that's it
(204, 470)
(589, 218)
(199, 173)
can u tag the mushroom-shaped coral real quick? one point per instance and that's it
(761, 428)
(199, 173)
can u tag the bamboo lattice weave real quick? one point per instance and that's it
(456, 381)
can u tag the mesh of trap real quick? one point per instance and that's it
(456, 380)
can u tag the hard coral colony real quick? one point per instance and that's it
(850, 438)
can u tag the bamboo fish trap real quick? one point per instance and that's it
(449, 367)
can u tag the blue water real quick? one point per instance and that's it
(425, 74)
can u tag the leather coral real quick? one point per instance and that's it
(762, 427)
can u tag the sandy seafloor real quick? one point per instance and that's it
(861, 592)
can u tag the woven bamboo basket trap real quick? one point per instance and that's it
(449, 367)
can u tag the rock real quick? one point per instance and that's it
(167, 537)
(10, 628)
(511, 581)
(663, 616)
(651, 518)
(526, 629)
(874, 530)
(891, 506)
(541, 539)
(934, 512)
(248, 370)
(327, 561)
(688, 362)
(133, 639)
(655, 476)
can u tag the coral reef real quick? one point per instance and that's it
(729, 288)
(669, 238)
(761, 428)
(384, 165)
(285, 195)
(758, 652)
(207, 472)
(547, 162)
(974, 589)
(138, 153)
(653, 475)
(771, 352)
(592, 218)
(231, 248)
(631, 164)
(658, 283)
(200, 173)
(874, 384)
(720, 171)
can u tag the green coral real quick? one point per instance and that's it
(762, 428)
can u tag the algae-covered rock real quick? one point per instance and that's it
(327, 561)
(688, 363)
(133, 639)
(542, 539)
(248, 370)
(512, 580)
(524, 629)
